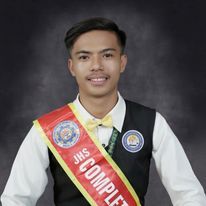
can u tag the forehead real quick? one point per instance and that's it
(96, 40)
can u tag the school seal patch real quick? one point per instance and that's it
(133, 141)
(66, 134)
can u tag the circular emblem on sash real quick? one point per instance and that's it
(133, 141)
(66, 134)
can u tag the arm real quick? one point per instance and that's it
(28, 178)
(174, 168)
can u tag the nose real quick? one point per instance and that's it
(96, 63)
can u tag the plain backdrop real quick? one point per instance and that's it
(166, 51)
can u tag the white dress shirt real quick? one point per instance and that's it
(28, 177)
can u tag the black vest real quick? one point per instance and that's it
(135, 166)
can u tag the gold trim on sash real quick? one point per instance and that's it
(103, 152)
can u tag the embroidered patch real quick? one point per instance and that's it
(133, 141)
(66, 134)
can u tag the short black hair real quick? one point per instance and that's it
(97, 23)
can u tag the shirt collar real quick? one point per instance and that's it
(117, 113)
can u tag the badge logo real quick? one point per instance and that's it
(66, 134)
(133, 141)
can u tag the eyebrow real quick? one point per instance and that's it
(88, 52)
(108, 49)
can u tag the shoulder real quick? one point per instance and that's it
(55, 113)
(138, 106)
(141, 113)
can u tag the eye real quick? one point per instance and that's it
(108, 55)
(83, 57)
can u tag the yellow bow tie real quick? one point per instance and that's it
(93, 123)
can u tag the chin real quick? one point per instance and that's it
(98, 95)
(101, 94)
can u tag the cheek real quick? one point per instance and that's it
(82, 66)
(112, 67)
(77, 68)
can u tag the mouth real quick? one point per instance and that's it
(98, 80)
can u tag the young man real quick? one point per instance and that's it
(99, 147)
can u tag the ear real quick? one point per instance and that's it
(123, 62)
(70, 67)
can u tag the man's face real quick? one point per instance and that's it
(96, 63)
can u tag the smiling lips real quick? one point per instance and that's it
(98, 80)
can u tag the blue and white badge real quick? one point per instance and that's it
(66, 134)
(133, 141)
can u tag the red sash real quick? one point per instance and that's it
(84, 159)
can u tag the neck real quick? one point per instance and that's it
(99, 106)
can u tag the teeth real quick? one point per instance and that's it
(98, 79)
